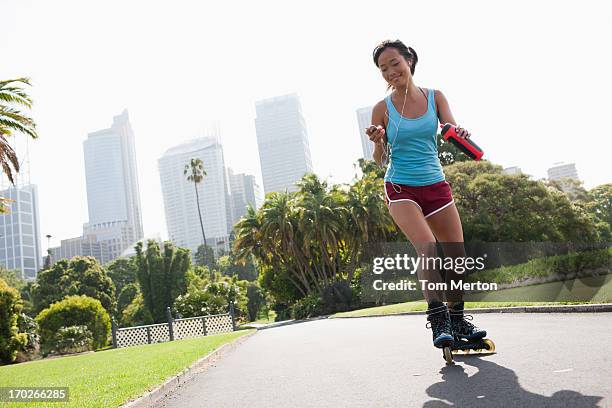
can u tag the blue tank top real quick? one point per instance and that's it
(414, 152)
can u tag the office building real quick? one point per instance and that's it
(179, 195)
(284, 151)
(20, 232)
(113, 196)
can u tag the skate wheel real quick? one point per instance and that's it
(478, 350)
(490, 344)
(448, 355)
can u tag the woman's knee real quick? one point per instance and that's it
(410, 220)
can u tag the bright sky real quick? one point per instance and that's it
(529, 79)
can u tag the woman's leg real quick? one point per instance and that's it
(409, 218)
(446, 226)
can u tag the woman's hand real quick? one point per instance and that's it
(461, 132)
(376, 133)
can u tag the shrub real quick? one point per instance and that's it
(200, 303)
(338, 297)
(74, 311)
(136, 314)
(311, 305)
(29, 327)
(10, 339)
(72, 339)
(31, 348)
(283, 311)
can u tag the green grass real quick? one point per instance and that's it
(112, 377)
(599, 291)
(419, 306)
(583, 290)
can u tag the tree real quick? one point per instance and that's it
(369, 218)
(195, 173)
(122, 271)
(496, 207)
(599, 206)
(126, 297)
(229, 266)
(161, 276)
(10, 278)
(600, 202)
(79, 276)
(256, 300)
(448, 153)
(369, 167)
(13, 120)
(570, 187)
(205, 256)
(10, 338)
(309, 242)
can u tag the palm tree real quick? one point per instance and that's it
(369, 219)
(323, 219)
(195, 172)
(284, 238)
(13, 120)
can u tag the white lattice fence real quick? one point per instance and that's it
(181, 328)
(219, 324)
(191, 327)
(159, 333)
(132, 336)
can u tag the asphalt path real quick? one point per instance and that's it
(541, 360)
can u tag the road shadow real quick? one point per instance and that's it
(495, 386)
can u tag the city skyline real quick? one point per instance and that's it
(508, 87)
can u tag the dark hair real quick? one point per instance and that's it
(408, 53)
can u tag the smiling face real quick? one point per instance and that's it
(394, 68)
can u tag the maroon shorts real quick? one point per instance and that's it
(430, 199)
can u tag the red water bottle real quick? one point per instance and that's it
(471, 149)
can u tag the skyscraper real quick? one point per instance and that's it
(364, 119)
(244, 191)
(20, 232)
(179, 195)
(113, 196)
(284, 152)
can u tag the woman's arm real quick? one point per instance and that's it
(378, 136)
(445, 115)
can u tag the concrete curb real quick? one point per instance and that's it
(162, 391)
(285, 323)
(584, 308)
(590, 308)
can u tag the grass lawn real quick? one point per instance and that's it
(112, 377)
(599, 291)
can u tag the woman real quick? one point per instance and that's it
(404, 128)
